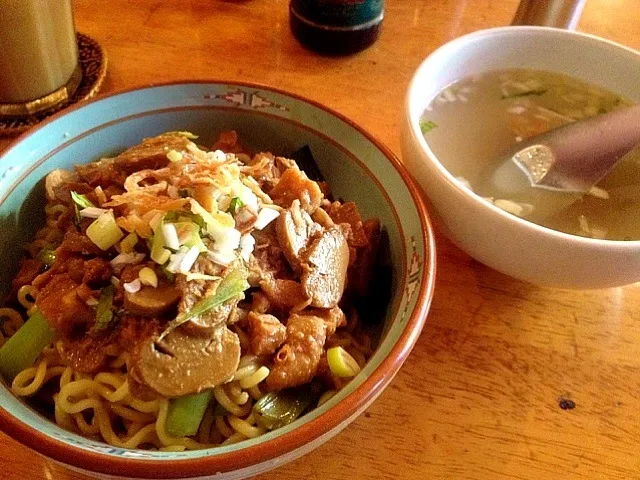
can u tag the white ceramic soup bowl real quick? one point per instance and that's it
(498, 239)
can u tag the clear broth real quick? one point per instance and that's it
(473, 122)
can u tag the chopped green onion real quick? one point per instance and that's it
(198, 209)
(427, 126)
(174, 156)
(277, 409)
(184, 216)
(185, 414)
(81, 200)
(77, 218)
(170, 233)
(528, 93)
(104, 309)
(104, 231)
(159, 254)
(148, 277)
(235, 204)
(182, 133)
(47, 256)
(232, 285)
(341, 363)
(128, 244)
(172, 216)
(189, 235)
(167, 274)
(24, 347)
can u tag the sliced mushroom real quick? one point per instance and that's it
(325, 266)
(284, 294)
(150, 301)
(205, 325)
(182, 364)
(192, 291)
(294, 227)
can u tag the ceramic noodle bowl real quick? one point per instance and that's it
(356, 167)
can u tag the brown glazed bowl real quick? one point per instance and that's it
(356, 166)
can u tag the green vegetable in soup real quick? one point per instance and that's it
(525, 94)
(427, 125)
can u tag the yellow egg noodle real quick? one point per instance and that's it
(101, 407)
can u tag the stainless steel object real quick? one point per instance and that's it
(554, 170)
(549, 13)
(575, 157)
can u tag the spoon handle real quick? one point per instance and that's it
(577, 156)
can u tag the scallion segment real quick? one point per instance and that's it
(341, 363)
(159, 254)
(528, 93)
(128, 244)
(186, 413)
(277, 409)
(104, 309)
(189, 235)
(104, 231)
(232, 285)
(47, 256)
(24, 347)
(235, 204)
(427, 126)
(81, 200)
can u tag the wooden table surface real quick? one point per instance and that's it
(479, 397)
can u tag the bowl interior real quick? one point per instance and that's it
(541, 48)
(266, 120)
(536, 48)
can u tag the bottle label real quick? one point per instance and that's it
(339, 13)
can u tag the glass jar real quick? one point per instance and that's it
(336, 26)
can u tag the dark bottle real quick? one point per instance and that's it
(336, 26)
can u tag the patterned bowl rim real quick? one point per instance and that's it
(306, 432)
